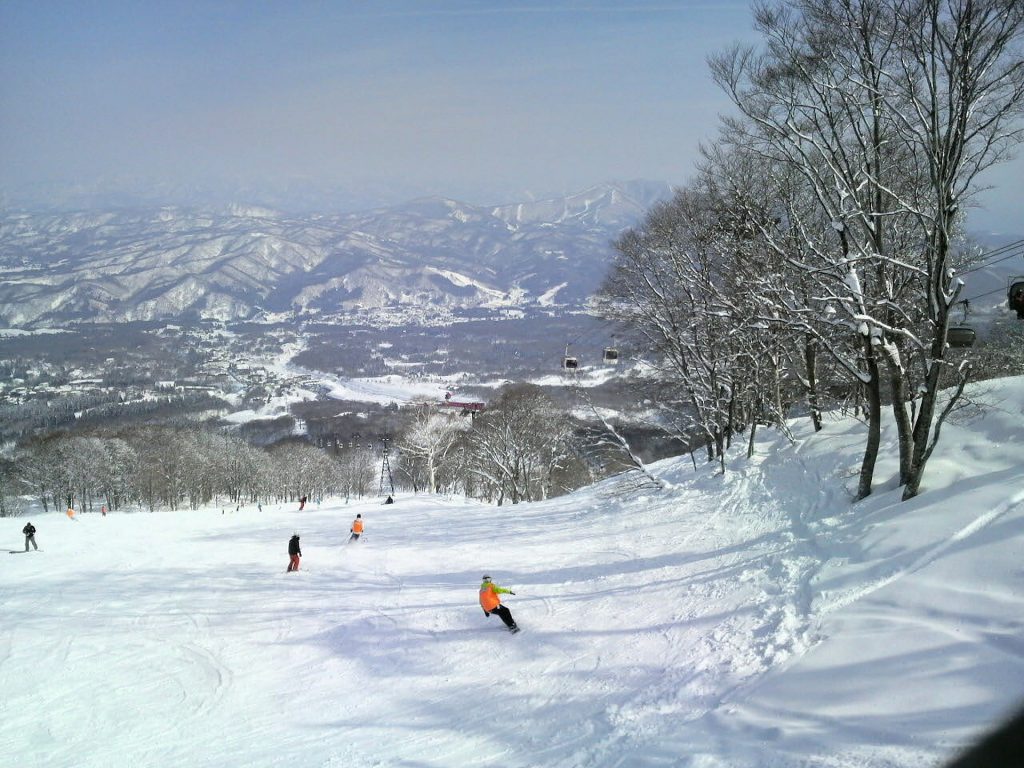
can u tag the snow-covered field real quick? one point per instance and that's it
(756, 619)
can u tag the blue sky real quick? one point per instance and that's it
(471, 98)
(481, 100)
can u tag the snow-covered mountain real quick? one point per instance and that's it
(241, 262)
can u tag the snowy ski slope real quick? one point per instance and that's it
(756, 619)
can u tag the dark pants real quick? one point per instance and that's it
(505, 614)
(30, 538)
(293, 564)
(353, 537)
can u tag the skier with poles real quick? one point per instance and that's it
(356, 530)
(491, 603)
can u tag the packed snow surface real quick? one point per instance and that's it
(759, 618)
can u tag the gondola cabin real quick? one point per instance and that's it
(1015, 296)
(570, 363)
(961, 336)
(611, 356)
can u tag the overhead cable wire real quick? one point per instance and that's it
(1017, 248)
(981, 295)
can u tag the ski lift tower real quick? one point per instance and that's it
(385, 468)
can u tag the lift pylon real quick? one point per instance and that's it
(385, 468)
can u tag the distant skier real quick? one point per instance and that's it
(30, 536)
(389, 500)
(491, 603)
(71, 513)
(302, 503)
(294, 553)
(356, 530)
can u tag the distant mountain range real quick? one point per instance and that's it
(250, 263)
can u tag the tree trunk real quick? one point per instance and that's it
(811, 363)
(874, 408)
(926, 411)
(922, 431)
(904, 427)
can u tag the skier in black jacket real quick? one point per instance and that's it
(30, 536)
(294, 552)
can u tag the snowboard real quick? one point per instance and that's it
(21, 551)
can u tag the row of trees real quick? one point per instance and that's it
(523, 448)
(49, 414)
(176, 468)
(817, 249)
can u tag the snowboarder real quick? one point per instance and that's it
(71, 513)
(30, 536)
(302, 503)
(491, 603)
(356, 530)
(294, 552)
(389, 500)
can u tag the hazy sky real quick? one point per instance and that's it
(469, 98)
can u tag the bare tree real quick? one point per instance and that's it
(118, 467)
(689, 280)
(9, 503)
(959, 96)
(357, 467)
(519, 443)
(889, 109)
(428, 439)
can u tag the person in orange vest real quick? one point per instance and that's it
(356, 529)
(491, 603)
(71, 513)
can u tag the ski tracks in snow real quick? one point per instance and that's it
(691, 663)
(790, 608)
(934, 553)
(782, 619)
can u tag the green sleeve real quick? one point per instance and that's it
(501, 590)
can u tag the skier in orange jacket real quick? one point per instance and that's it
(491, 603)
(356, 530)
